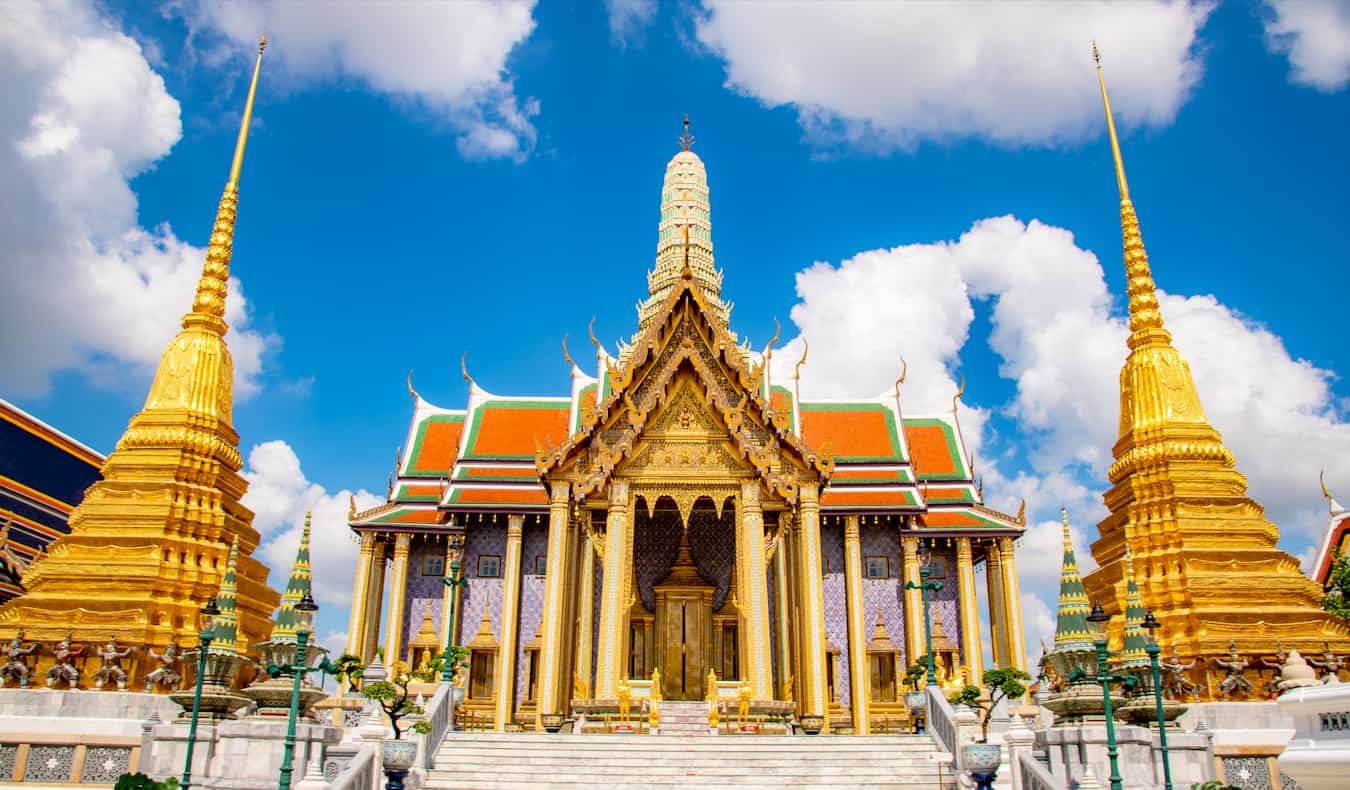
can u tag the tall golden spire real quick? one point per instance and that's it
(1146, 325)
(1179, 508)
(151, 541)
(208, 308)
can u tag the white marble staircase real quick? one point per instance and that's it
(684, 718)
(479, 761)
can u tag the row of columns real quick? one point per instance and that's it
(799, 621)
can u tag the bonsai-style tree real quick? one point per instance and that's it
(457, 657)
(139, 781)
(1338, 585)
(348, 669)
(1005, 683)
(914, 676)
(393, 699)
(432, 671)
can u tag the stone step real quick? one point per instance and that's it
(774, 783)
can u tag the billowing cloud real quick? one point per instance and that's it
(1059, 337)
(1315, 36)
(881, 76)
(86, 287)
(628, 18)
(279, 494)
(450, 58)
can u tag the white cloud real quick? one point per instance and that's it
(628, 18)
(448, 57)
(882, 75)
(1059, 339)
(279, 494)
(86, 287)
(1315, 36)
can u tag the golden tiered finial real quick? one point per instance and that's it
(1146, 324)
(208, 307)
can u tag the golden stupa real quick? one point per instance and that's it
(149, 543)
(1204, 554)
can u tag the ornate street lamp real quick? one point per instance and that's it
(1151, 624)
(455, 581)
(304, 624)
(207, 621)
(1098, 620)
(926, 586)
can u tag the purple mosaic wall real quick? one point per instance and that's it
(946, 602)
(481, 593)
(836, 607)
(423, 593)
(533, 543)
(713, 544)
(884, 595)
(656, 540)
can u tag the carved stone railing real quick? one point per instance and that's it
(1035, 775)
(363, 772)
(941, 719)
(439, 713)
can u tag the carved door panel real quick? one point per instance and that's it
(683, 670)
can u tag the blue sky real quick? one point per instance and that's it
(433, 179)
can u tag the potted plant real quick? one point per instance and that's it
(982, 758)
(916, 699)
(347, 670)
(397, 755)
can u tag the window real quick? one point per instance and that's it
(882, 676)
(540, 564)
(433, 565)
(489, 566)
(878, 568)
(937, 568)
(481, 664)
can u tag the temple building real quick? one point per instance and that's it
(43, 476)
(1336, 540)
(149, 541)
(677, 512)
(1204, 554)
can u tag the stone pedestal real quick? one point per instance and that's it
(242, 754)
(1318, 756)
(1073, 750)
(1248, 737)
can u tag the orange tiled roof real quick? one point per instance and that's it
(932, 442)
(957, 518)
(520, 495)
(835, 497)
(435, 445)
(508, 429)
(853, 432)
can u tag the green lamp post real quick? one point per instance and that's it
(455, 581)
(1098, 620)
(304, 612)
(207, 618)
(1151, 624)
(926, 586)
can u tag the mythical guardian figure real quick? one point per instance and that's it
(64, 670)
(165, 676)
(1234, 680)
(1272, 686)
(1330, 664)
(111, 668)
(1177, 684)
(16, 660)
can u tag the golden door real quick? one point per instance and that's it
(685, 645)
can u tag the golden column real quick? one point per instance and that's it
(556, 588)
(757, 591)
(914, 643)
(782, 621)
(613, 593)
(374, 600)
(1015, 652)
(581, 681)
(506, 649)
(857, 630)
(972, 653)
(812, 606)
(356, 627)
(998, 625)
(398, 588)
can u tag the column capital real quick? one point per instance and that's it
(402, 542)
(618, 493)
(809, 495)
(1005, 544)
(963, 551)
(750, 494)
(851, 530)
(909, 544)
(515, 524)
(367, 543)
(558, 490)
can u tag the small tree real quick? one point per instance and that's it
(347, 670)
(915, 674)
(1338, 585)
(456, 657)
(393, 699)
(1005, 683)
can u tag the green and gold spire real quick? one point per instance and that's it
(296, 588)
(227, 600)
(1071, 630)
(1133, 650)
